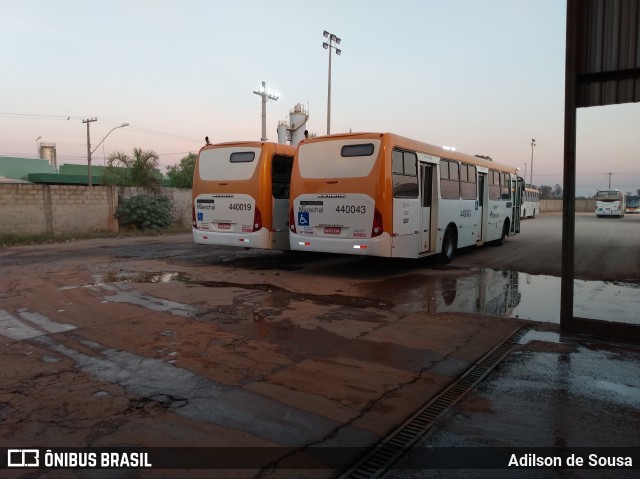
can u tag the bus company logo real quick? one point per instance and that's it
(23, 457)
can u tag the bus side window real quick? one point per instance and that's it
(281, 167)
(405, 174)
(449, 179)
(468, 182)
(504, 187)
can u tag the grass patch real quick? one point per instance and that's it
(48, 238)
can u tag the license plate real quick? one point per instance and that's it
(332, 230)
(224, 226)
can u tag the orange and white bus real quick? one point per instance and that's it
(381, 194)
(240, 195)
(530, 206)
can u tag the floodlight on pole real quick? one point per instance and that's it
(533, 143)
(328, 46)
(266, 95)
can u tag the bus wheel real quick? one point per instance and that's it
(524, 213)
(534, 213)
(503, 235)
(448, 246)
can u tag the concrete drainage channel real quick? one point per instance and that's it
(391, 449)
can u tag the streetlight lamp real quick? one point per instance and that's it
(105, 137)
(88, 121)
(266, 95)
(533, 143)
(328, 46)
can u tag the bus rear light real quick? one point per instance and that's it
(257, 220)
(359, 246)
(193, 216)
(205, 237)
(292, 221)
(377, 228)
(244, 240)
(304, 243)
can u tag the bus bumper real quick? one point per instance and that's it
(257, 239)
(378, 246)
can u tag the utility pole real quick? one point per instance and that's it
(266, 95)
(610, 179)
(88, 121)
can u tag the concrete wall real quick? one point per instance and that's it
(56, 209)
(582, 206)
(59, 209)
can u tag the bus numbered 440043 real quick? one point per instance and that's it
(240, 195)
(381, 194)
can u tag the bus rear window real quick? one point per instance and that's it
(365, 149)
(242, 157)
(337, 158)
(231, 163)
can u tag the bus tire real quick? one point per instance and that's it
(524, 213)
(448, 246)
(534, 213)
(503, 235)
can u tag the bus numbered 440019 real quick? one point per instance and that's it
(240, 195)
(381, 194)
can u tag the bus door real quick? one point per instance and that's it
(281, 166)
(483, 191)
(517, 187)
(426, 191)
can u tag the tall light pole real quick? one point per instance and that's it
(105, 136)
(525, 173)
(328, 46)
(266, 95)
(533, 143)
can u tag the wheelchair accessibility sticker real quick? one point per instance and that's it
(200, 216)
(303, 218)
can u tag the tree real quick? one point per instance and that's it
(558, 191)
(141, 169)
(546, 192)
(181, 175)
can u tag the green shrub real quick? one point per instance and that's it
(144, 212)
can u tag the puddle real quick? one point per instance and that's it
(484, 291)
(510, 294)
(113, 276)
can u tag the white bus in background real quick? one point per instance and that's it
(240, 195)
(610, 203)
(530, 206)
(381, 194)
(632, 204)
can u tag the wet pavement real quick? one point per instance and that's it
(158, 342)
(554, 393)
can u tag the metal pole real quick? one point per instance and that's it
(533, 143)
(329, 94)
(525, 173)
(89, 178)
(569, 174)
